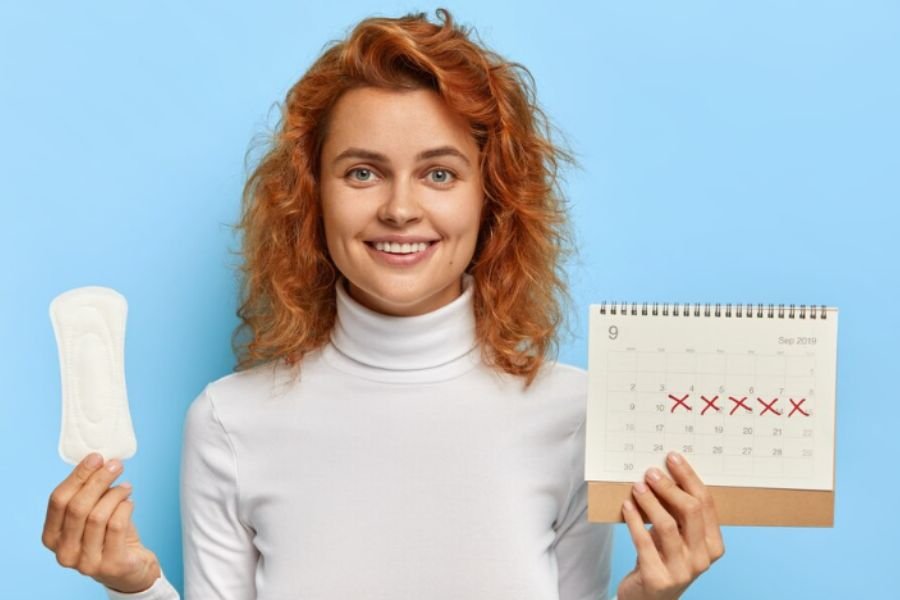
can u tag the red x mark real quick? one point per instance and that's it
(738, 403)
(709, 404)
(768, 406)
(680, 401)
(797, 407)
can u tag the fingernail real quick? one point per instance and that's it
(113, 465)
(654, 474)
(675, 458)
(628, 505)
(640, 487)
(93, 460)
(126, 485)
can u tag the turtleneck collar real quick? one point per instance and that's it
(436, 345)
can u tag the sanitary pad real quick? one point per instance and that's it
(89, 323)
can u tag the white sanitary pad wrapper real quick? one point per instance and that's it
(89, 323)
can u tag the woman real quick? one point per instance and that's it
(394, 428)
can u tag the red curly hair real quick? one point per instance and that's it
(288, 278)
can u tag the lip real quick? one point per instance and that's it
(401, 260)
(402, 239)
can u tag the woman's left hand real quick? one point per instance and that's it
(684, 540)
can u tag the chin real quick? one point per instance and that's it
(400, 300)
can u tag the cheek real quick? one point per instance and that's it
(334, 226)
(328, 224)
(463, 223)
(340, 222)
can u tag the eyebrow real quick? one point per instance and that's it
(377, 157)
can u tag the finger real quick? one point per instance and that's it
(655, 535)
(59, 498)
(81, 505)
(664, 523)
(685, 508)
(117, 530)
(648, 557)
(688, 479)
(95, 529)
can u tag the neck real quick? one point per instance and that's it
(432, 345)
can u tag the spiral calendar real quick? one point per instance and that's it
(745, 392)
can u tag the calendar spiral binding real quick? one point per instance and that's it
(770, 311)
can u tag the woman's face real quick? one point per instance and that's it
(399, 173)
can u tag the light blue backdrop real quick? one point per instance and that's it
(731, 152)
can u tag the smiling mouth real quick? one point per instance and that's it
(401, 249)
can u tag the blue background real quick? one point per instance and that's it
(730, 152)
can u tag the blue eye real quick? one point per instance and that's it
(446, 173)
(360, 169)
(446, 178)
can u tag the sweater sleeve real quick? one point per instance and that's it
(219, 555)
(583, 549)
(160, 590)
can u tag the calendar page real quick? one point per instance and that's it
(748, 400)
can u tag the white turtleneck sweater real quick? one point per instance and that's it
(398, 466)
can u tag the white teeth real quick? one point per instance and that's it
(396, 248)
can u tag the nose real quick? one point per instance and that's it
(401, 206)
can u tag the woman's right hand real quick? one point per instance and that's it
(89, 528)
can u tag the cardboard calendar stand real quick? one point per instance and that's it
(734, 505)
